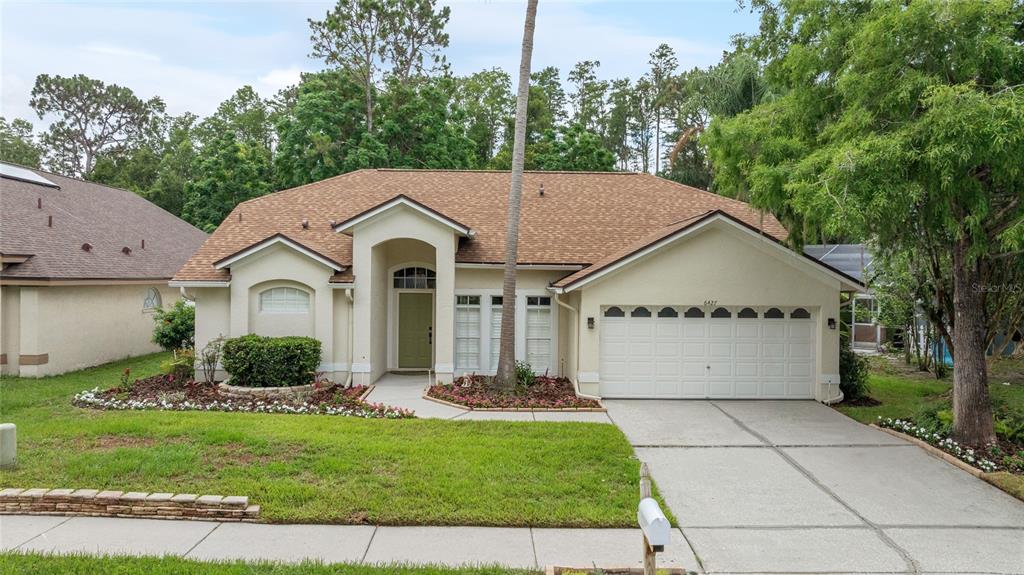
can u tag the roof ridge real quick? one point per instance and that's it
(492, 171)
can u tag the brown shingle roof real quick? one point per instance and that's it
(109, 219)
(582, 217)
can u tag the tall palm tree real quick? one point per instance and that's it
(506, 376)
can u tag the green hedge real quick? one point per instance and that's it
(257, 361)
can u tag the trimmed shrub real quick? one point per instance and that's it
(175, 327)
(258, 361)
(853, 373)
(524, 374)
(182, 366)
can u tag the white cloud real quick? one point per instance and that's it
(119, 52)
(279, 78)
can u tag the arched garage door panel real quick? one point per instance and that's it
(688, 352)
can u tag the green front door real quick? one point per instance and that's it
(415, 329)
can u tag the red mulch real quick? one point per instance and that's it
(545, 393)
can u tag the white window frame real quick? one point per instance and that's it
(468, 305)
(486, 311)
(550, 368)
(148, 304)
(290, 305)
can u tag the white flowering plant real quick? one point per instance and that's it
(974, 457)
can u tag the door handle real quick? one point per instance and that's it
(430, 334)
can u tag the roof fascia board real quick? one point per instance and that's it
(198, 283)
(409, 203)
(498, 266)
(272, 241)
(17, 281)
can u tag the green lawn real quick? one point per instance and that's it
(79, 565)
(324, 469)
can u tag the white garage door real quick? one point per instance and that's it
(725, 352)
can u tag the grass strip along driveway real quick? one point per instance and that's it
(78, 565)
(323, 469)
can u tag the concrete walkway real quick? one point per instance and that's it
(407, 391)
(797, 487)
(203, 540)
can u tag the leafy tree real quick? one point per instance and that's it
(588, 95)
(616, 123)
(663, 66)
(896, 120)
(17, 144)
(360, 37)
(641, 121)
(506, 373)
(486, 97)
(572, 149)
(246, 115)
(549, 81)
(134, 170)
(320, 131)
(539, 121)
(176, 166)
(227, 173)
(421, 128)
(91, 118)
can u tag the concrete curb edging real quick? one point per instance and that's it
(601, 409)
(934, 451)
(96, 503)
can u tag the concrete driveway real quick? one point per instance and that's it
(796, 487)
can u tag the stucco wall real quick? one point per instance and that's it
(82, 326)
(10, 328)
(281, 324)
(722, 264)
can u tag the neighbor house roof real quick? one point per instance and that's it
(69, 229)
(580, 219)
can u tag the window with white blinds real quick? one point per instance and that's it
(467, 332)
(284, 300)
(496, 303)
(538, 333)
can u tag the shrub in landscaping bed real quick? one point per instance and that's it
(853, 374)
(258, 361)
(544, 393)
(175, 326)
(167, 393)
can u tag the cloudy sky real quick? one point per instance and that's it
(196, 54)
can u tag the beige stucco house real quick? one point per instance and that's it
(85, 267)
(630, 285)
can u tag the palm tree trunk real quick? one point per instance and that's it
(505, 378)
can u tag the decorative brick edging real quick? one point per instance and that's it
(931, 449)
(601, 409)
(96, 503)
(242, 392)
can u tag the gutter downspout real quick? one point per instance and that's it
(351, 329)
(576, 329)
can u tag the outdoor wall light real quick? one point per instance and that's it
(831, 323)
(590, 323)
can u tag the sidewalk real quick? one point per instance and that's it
(205, 540)
(407, 391)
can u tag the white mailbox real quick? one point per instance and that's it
(653, 523)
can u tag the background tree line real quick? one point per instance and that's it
(386, 98)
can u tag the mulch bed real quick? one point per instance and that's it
(865, 401)
(165, 392)
(545, 393)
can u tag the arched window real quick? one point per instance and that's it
(747, 313)
(694, 312)
(774, 313)
(415, 278)
(721, 312)
(152, 301)
(284, 300)
(800, 313)
(668, 312)
(640, 312)
(614, 312)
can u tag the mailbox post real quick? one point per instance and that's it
(652, 522)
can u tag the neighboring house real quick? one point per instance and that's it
(84, 268)
(856, 261)
(629, 284)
